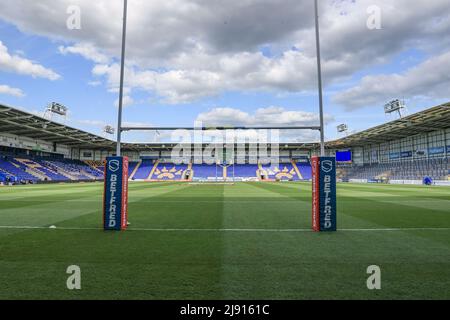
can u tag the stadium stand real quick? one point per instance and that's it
(437, 169)
(282, 172)
(16, 172)
(244, 171)
(144, 170)
(204, 171)
(34, 149)
(98, 165)
(131, 169)
(41, 169)
(3, 176)
(168, 172)
(305, 170)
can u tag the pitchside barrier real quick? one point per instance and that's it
(324, 212)
(115, 203)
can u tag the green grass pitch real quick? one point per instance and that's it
(243, 241)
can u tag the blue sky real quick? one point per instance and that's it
(242, 71)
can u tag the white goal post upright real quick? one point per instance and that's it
(122, 77)
(121, 129)
(319, 76)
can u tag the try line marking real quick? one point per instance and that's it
(222, 230)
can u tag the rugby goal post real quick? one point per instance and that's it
(324, 195)
(324, 168)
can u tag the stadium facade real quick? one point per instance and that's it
(408, 150)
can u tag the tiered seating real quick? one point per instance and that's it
(204, 171)
(74, 170)
(249, 171)
(41, 168)
(37, 169)
(285, 171)
(305, 170)
(437, 169)
(131, 167)
(243, 171)
(17, 172)
(144, 170)
(97, 165)
(169, 172)
(96, 173)
(3, 176)
(28, 167)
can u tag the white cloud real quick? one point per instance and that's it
(187, 50)
(430, 79)
(94, 83)
(291, 72)
(92, 123)
(271, 116)
(5, 89)
(86, 50)
(127, 101)
(135, 124)
(17, 64)
(266, 117)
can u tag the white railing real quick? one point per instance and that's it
(442, 183)
(409, 182)
(358, 181)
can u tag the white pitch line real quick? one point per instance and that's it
(224, 230)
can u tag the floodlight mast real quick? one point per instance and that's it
(122, 72)
(319, 71)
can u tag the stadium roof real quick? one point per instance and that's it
(426, 121)
(25, 124)
(22, 123)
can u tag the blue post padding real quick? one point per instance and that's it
(327, 192)
(113, 193)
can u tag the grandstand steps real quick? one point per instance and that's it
(294, 164)
(258, 174)
(6, 172)
(153, 170)
(262, 172)
(189, 169)
(37, 174)
(66, 174)
(184, 177)
(87, 174)
(135, 170)
(31, 168)
(94, 165)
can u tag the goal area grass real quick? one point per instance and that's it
(240, 241)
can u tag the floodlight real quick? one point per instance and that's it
(58, 109)
(109, 130)
(395, 106)
(342, 128)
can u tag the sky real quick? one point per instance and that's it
(235, 62)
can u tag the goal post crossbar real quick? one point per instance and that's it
(123, 129)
